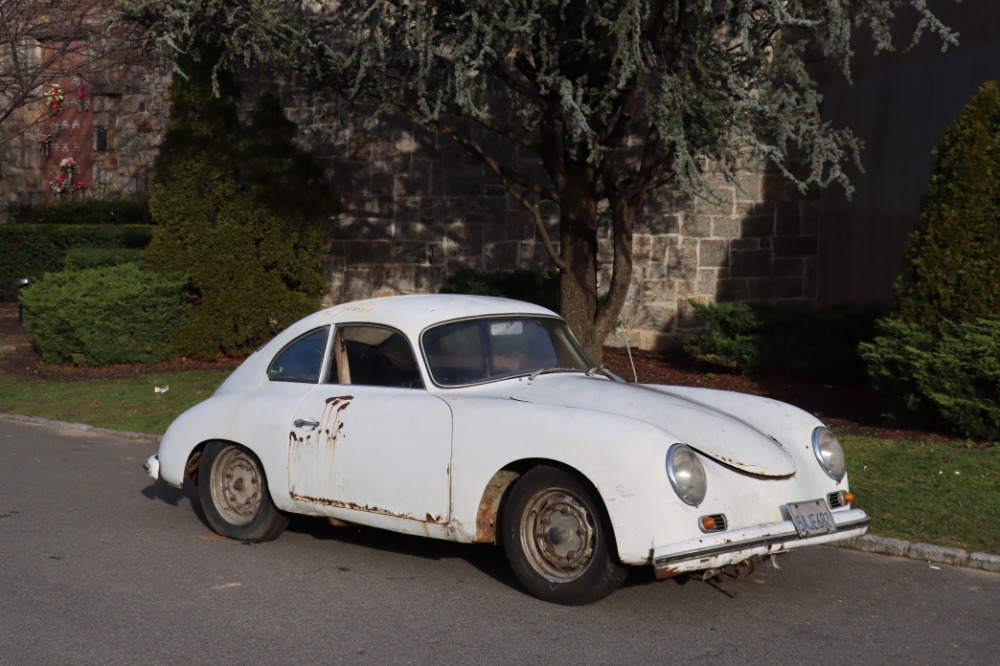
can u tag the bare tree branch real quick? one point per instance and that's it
(507, 177)
(40, 39)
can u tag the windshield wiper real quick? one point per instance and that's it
(545, 371)
(596, 370)
(603, 370)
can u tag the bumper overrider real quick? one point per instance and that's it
(718, 550)
(152, 466)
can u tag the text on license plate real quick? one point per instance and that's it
(811, 517)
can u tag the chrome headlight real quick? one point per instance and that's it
(686, 474)
(829, 453)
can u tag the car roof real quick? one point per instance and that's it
(412, 314)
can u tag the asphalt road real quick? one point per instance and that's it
(98, 565)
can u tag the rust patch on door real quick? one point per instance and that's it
(330, 423)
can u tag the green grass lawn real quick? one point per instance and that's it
(947, 493)
(121, 404)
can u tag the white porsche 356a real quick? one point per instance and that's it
(477, 419)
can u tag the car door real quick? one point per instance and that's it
(372, 440)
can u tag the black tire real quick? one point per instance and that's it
(557, 539)
(234, 494)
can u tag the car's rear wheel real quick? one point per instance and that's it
(557, 539)
(234, 494)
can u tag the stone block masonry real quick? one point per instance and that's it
(125, 115)
(417, 208)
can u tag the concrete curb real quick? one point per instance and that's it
(868, 543)
(926, 552)
(125, 434)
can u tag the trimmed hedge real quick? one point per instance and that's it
(27, 253)
(84, 211)
(31, 250)
(100, 316)
(78, 258)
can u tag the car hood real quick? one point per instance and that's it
(715, 433)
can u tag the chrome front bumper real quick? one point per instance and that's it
(717, 550)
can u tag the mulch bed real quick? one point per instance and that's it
(847, 409)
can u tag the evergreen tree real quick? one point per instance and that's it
(242, 212)
(952, 265)
(937, 356)
(613, 97)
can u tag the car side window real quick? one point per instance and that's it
(456, 354)
(302, 359)
(373, 356)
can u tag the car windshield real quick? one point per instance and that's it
(479, 350)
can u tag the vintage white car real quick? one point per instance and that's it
(478, 419)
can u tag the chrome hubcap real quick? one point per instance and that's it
(558, 535)
(236, 486)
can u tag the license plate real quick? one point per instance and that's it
(811, 517)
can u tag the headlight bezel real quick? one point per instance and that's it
(686, 485)
(829, 453)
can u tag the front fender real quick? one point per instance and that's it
(623, 458)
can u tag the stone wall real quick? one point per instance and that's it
(417, 207)
(129, 108)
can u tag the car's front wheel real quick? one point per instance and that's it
(557, 539)
(234, 494)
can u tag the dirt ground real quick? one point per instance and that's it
(847, 409)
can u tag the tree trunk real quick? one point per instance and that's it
(578, 251)
(578, 284)
(592, 319)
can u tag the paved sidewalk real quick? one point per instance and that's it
(868, 543)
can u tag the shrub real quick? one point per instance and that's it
(105, 315)
(27, 253)
(782, 338)
(31, 250)
(731, 338)
(523, 285)
(78, 258)
(241, 211)
(938, 352)
(947, 379)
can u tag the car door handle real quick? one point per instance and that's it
(302, 423)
